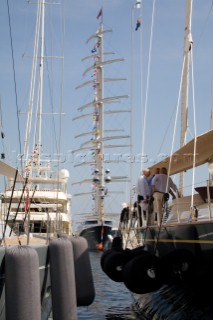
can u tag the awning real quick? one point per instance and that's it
(182, 159)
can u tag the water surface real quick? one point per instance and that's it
(112, 300)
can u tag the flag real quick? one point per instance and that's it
(94, 49)
(99, 14)
(138, 23)
(138, 4)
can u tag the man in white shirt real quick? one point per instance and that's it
(162, 184)
(144, 191)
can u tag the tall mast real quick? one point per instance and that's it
(39, 38)
(41, 69)
(185, 82)
(99, 198)
(99, 141)
(32, 84)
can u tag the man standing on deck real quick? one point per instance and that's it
(162, 184)
(144, 191)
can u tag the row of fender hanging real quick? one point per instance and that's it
(143, 272)
(71, 279)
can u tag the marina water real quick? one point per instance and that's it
(112, 300)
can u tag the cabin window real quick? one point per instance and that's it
(109, 222)
(91, 222)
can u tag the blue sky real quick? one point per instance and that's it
(165, 71)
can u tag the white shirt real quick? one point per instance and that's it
(161, 184)
(143, 187)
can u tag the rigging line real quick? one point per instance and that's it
(165, 204)
(204, 26)
(131, 106)
(51, 102)
(28, 210)
(60, 121)
(1, 127)
(195, 130)
(2, 139)
(1, 122)
(147, 83)
(32, 85)
(172, 147)
(131, 194)
(62, 85)
(8, 212)
(41, 81)
(166, 131)
(14, 79)
(176, 118)
(20, 200)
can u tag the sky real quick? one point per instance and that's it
(153, 79)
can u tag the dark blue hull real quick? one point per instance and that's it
(171, 275)
(181, 298)
(97, 237)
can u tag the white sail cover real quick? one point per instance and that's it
(182, 159)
